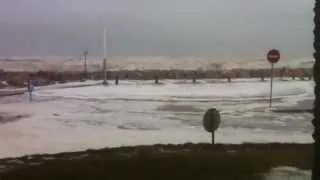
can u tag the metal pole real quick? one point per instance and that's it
(271, 86)
(104, 71)
(212, 132)
(105, 55)
(212, 136)
(85, 65)
(85, 54)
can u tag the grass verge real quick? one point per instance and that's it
(188, 161)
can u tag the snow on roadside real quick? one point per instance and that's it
(282, 173)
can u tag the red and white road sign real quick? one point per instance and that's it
(273, 56)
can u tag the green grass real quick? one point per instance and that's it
(188, 161)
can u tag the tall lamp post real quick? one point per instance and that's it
(105, 56)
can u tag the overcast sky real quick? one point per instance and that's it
(220, 28)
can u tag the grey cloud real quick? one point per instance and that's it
(152, 27)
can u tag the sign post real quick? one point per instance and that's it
(211, 121)
(273, 57)
(271, 85)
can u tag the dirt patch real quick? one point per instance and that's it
(179, 108)
(185, 161)
(9, 118)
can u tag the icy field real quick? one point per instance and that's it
(139, 112)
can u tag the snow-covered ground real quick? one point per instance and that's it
(290, 173)
(144, 62)
(141, 113)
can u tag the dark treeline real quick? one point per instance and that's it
(46, 77)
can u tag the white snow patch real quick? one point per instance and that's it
(290, 173)
(92, 117)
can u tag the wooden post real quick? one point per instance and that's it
(156, 81)
(117, 80)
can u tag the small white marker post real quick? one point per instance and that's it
(273, 57)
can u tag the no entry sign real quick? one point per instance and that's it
(273, 56)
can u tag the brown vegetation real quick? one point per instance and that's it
(188, 161)
(46, 77)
